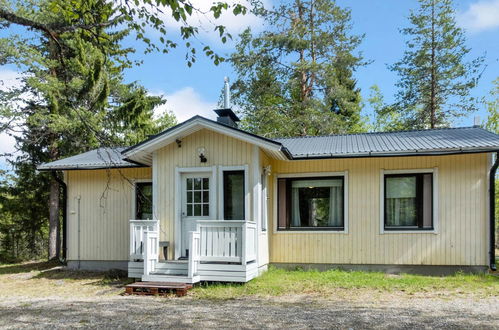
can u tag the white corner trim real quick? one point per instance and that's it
(435, 193)
(344, 174)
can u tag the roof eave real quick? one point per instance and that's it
(434, 152)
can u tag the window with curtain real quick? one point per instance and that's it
(311, 203)
(143, 200)
(233, 199)
(409, 201)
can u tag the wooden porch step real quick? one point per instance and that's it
(157, 288)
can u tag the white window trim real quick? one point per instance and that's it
(247, 194)
(134, 196)
(344, 174)
(383, 172)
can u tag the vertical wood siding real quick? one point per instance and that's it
(105, 209)
(220, 150)
(462, 216)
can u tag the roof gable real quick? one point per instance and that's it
(142, 152)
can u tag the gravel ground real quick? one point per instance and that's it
(288, 312)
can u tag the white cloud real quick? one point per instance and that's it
(206, 23)
(480, 16)
(186, 103)
(9, 79)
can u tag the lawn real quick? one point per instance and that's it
(278, 282)
(41, 279)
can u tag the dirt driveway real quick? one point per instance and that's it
(289, 312)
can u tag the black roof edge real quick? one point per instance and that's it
(82, 168)
(401, 154)
(388, 132)
(202, 118)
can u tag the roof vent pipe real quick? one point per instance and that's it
(226, 93)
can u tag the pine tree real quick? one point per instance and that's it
(72, 100)
(297, 77)
(435, 79)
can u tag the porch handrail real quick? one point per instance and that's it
(138, 229)
(151, 251)
(194, 259)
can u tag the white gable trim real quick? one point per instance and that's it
(142, 152)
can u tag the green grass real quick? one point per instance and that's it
(278, 282)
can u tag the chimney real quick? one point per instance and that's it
(226, 93)
(226, 116)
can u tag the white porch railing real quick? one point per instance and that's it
(194, 243)
(227, 241)
(138, 229)
(151, 255)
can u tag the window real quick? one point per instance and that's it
(233, 198)
(143, 200)
(198, 197)
(264, 202)
(408, 201)
(311, 203)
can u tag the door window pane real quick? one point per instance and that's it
(233, 185)
(197, 197)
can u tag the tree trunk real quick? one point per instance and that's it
(54, 249)
(433, 86)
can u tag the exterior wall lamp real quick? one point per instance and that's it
(202, 154)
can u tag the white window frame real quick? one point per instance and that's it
(264, 196)
(134, 196)
(344, 174)
(384, 172)
(247, 194)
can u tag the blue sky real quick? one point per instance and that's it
(196, 90)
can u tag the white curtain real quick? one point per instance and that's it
(401, 201)
(335, 206)
(295, 202)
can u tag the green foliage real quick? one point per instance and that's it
(492, 105)
(72, 99)
(435, 80)
(297, 77)
(385, 118)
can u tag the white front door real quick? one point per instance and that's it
(197, 204)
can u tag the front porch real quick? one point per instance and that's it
(218, 250)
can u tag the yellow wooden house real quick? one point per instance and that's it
(207, 201)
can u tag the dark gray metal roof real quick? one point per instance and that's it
(405, 143)
(94, 159)
(417, 142)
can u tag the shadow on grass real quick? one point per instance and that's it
(108, 278)
(28, 267)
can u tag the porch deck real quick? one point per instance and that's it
(219, 250)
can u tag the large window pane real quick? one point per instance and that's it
(143, 200)
(233, 185)
(311, 203)
(401, 201)
(409, 201)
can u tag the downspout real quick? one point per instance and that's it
(492, 214)
(64, 212)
